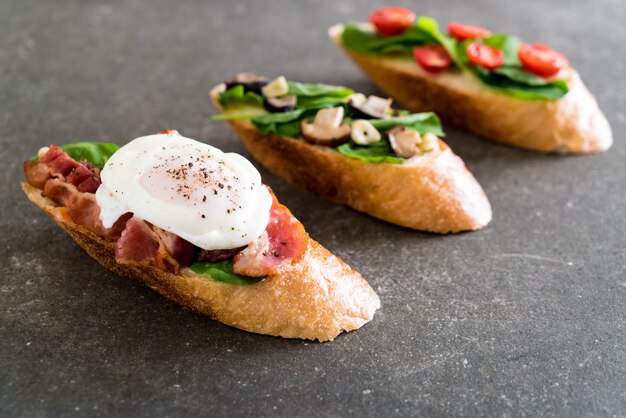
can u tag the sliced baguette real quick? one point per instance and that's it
(436, 193)
(315, 297)
(573, 124)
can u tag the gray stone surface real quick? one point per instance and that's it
(524, 318)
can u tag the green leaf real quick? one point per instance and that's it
(283, 124)
(316, 90)
(223, 272)
(365, 41)
(523, 86)
(319, 102)
(97, 153)
(420, 122)
(236, 94)
(376, 153)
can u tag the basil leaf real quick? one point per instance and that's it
(420, 122)
(314, 90)
(365, 41)
(222, 272)
(97, 153)
(378, 152)
(236, 94)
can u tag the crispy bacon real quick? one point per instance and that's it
(55, 163)
(144, 244)
(83, 208)
(284, 240)
(36, 173)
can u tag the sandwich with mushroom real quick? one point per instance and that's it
(198, 226)
(492, 84)
(355, 150)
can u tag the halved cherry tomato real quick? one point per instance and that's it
(463, 31)
(484, 55)
(541, 59)
(433, 58)
(391, 21)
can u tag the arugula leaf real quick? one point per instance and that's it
(365, 41)
(376, 153)
(236, 94)
(223, 272)
(97, 153)
(420, 122)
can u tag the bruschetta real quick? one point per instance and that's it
(355, 150)
(198, 226)
(493, 85)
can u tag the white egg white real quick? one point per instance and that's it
(214, 200)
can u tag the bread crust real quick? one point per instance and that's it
(438, 194)
(573, 124)
(316, 296)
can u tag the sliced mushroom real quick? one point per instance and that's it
(249, 81)
(326, 128)
(332, 116)
(373, 108)
(276, 88)
(364, 133)
(356, 99)
(404, 143)
(282, 104)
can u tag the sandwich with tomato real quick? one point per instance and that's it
(355, 150)
(198, 226)
(492, 84)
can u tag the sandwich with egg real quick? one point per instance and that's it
(491, 84)
(198, 226)
(355, 150)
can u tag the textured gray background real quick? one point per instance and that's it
(524, 318)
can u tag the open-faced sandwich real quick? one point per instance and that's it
(355, 150)
(198, 226)
(493, 85)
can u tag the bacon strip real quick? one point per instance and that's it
(144, 244)
(284, 240)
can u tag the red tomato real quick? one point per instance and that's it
(541, 59)
(484, 55)
(433, 58)
(391, 21)
(462, 31)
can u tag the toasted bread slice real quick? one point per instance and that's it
(435, 193)
(573, 124)
(316, 296)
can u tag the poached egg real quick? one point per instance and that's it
(214, 200)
